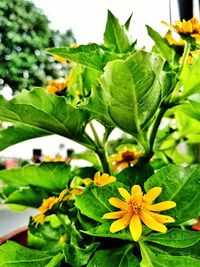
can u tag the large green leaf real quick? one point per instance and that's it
(162, 45)
(91, 55)
(46, 113)
(176, 238)
(190, 78)
(181, 185)
(50, 176)
(116, 35)
(131, 92)
(119, 257)
(13, 254)
(192, 109)
(27, 196)
(98, 197)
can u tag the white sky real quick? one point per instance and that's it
(87, 19)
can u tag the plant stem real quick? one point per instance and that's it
(102, 155)
(145, 255)
(155, 127)
(96, 137)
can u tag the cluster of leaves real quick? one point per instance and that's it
(25, 34)
(121, 87)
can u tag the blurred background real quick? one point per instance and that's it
(28, 27)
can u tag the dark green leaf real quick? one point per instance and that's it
(119, 257)
(176, 238)
(27, 196)
(181, 185)
(115, 34)
(13, 254)
(92, 55)
(50, 176)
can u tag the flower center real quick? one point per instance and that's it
(128, 156)
(137, 205)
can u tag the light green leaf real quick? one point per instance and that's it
(50, 176)
(115, 34)
(131, 89)
(192, 109)
(91, 55)
(181, 185)
(98, 197)
(190, 78)
(46, 113)
(162, 45)
(13, 254)
(176, 238)
(119, 257)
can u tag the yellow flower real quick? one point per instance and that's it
(47, 204)
(73, 192)
(172, 41)
(99, 179)
(57, 158)
(190, 27)
(39, 219)
(138, 208)
(59, 58)
(124, 158)
(191, 56)
(74, 45)
(55, 87)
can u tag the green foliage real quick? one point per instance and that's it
(24, 38)
(87, 217)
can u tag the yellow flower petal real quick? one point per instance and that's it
(114, 215)
(135, 227)
(187, 27)
(87, 181)
(121, 224)
(116, 202)
(124, 193)
(152, 223)
(161, 218)
(164, 205)
(152, 194)
(136, 191)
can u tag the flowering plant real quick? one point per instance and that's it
(113, 213)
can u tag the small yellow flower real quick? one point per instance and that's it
(39, 219)
(47, 204)
(125, 158)
(55, 87)
(74, 45)
(59, 58)
(57, 158)
(100, 180)
(172, 41)
(73, 192)
(138, 208)
(190, 27)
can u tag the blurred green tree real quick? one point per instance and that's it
(24, 36)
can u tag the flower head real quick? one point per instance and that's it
(56, 87)
(137, 208)
(172, 41)
(100, 180)
(188, 28)
(124, 158)
(47, 204)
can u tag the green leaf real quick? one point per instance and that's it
(115, 34)
(98, 196)
(191, 85)
(192, 109)
(46, 113)
(50, 176)
(119, 257)
(27, 196)
(13, 254)
(176, 238)
(18, 133)
(131, 89)
(137, 174)
(181, 185)
(91, 55)
(162, 45)
(127, 23)
(103, 231)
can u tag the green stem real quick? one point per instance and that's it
(96, 137)
(146, 259)
(102, 155)
(155, 127)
